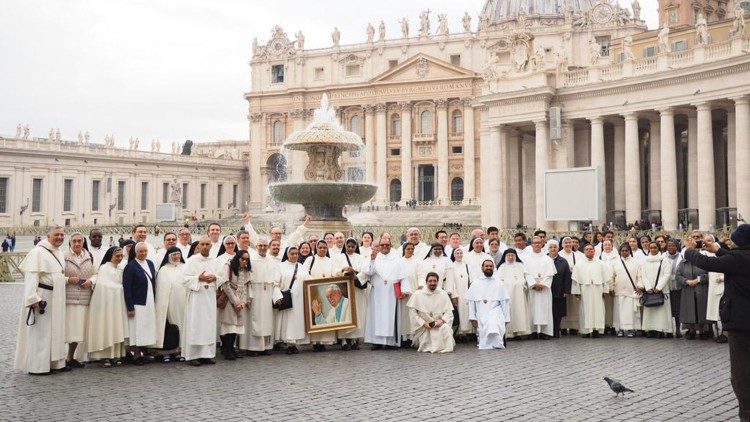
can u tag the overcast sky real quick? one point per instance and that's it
(166, 69)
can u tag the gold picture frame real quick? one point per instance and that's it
(330, 304)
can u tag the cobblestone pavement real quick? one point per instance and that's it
(531, 380)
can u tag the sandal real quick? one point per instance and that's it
(166, 359)
(107, 363)
(118, 362)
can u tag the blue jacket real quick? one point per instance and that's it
(135, 284)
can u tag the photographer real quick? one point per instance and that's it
(734, 307)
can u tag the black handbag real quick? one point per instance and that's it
(652, 300)
(286, 299)
(171, 336)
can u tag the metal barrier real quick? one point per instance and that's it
(9, 262)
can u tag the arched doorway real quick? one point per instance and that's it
(276, 164)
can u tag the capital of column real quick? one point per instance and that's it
(368, 108)
(703, 106)
(405, 105)
(741, 100)
(596, 120)
(441, 103)
(380, 108)
(256, 117)
(630, 116)
(666, 111)
(540, 124)
(466, 101)
(297, 114)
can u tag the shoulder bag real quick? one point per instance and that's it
(651, 300)
(286, 299)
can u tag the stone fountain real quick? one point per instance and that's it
(324, 193)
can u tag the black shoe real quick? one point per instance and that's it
(289, 350)
(534, 336)
(563, 332)
(345, 346)
(573, 332)
(355, 345)
(207, 361)
(237, 354)
(721, 339)
(194, 362)
(74, 364)
(391, 347)
(265, 353)
(406, 344)
(40, 374)
(376, 347)
(678, 334)
(544, 336)
(138, 361)
(586, 335)
(660, 335)
(278, 347)
(229, 355)
(595, 334)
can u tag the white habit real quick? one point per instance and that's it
(513, 277)
(383, 319)
(426, 305)
(590, 280)
(540, 268)
(489, 305)
(198, 339)
(265, 289)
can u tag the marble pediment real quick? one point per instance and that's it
(422, 68)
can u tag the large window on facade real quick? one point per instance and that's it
(355, 124)
(395, 190)
(457, 189)
(219, 195)
(165, 192)
(203, 195)
(185, 187)
(457, 122)
(36, 195)
(277, 74)
(234, 195)
(604, 43)
(3, 195)
(425, 122)
(67, 195)
(144, 195)
(278, 131)
(121, 195)
(395, 125)
(95, 187)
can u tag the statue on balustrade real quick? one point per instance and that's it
(443, 24)
(187, 147)
(336, 36)
(627, 48)
(595, 52)
(738, 29)
(701, 30)
(86, 137)
(19, 131)
(370, 32)
(381, 31)
(663, 38)
(26, 131)
(51, 136)
(424, 23)
(404, 27)
(300, 40)
(466, 22)
(636, 10)
(57, 134)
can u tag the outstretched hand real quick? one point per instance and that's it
(245, 217)
(308, 218)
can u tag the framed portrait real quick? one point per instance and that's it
(330, 304)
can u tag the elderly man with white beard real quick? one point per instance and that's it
(414, 236)
(431, 312)
(265, 287)
(489, 308)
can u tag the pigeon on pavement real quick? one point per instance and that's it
(618, 388)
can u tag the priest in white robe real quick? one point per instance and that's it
(258, 337)
(540, 269)
(385, 270)
(198, 341)
(431, 312)
(571, 319)
(590, 279)
(414, 236)
(475, 257)
(41, 335)
(289, 325)
(489, 308)
(512, 275)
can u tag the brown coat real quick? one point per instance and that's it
(81, 267)
(237, 290)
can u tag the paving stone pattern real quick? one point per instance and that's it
(675, 380)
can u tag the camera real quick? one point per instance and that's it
(699, 244)
(432, 324)
(42, 306)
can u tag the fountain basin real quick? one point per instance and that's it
(324, 200)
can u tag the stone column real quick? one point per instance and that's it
(381, 168)
(692, 162)
(297, 160)
(632, 170)
(491, 199)
(742, 154)
(706, 175)
(406, 175)
(597, 153)
(370, 144)
(541, 160)
(731, 158)
(469, 153)
(443, 172)
(619, 168)
(668, 168)
(256, 160)
(569, 142)
(513, 200)
(654, 176)
(486, 138)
